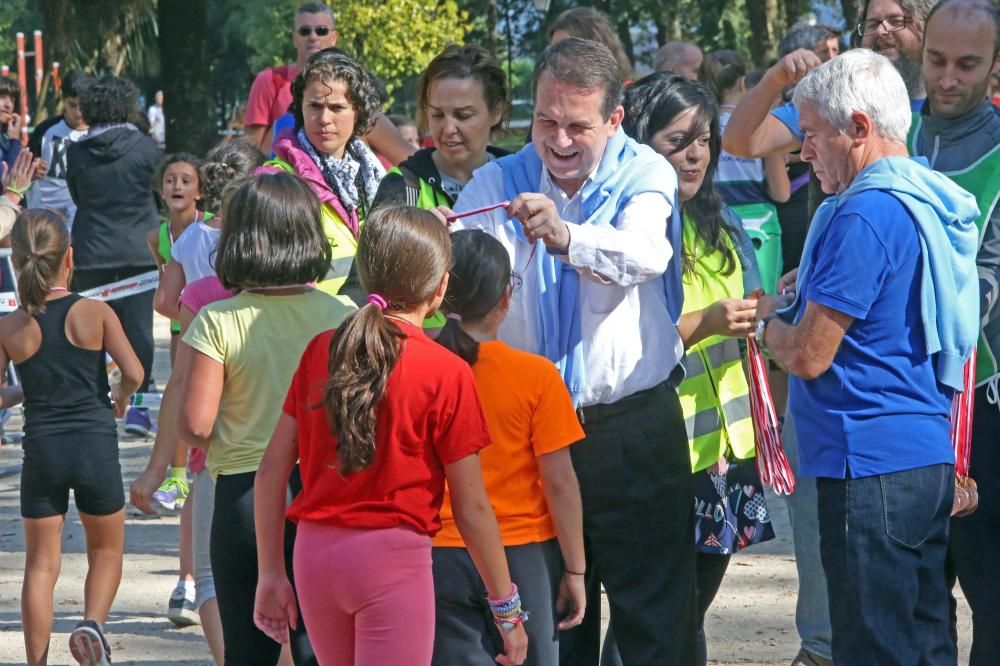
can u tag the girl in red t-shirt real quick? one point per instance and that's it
(379, 416)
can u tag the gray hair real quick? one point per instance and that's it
(918, 9)
(859, 80)
(585, 64)
(315, 8)
(672, 53)
(802, 36)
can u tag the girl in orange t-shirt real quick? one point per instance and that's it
(527, 470)
(379, 416)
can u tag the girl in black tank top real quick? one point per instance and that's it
(57, 341)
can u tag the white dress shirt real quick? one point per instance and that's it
(629, 341)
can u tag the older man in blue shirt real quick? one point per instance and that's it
(885, 315)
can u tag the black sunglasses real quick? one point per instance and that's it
(320, 30)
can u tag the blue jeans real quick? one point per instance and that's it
(884, 540)
(812, 608)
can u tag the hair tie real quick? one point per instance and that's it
(454, 315)
(36, 255)
(378, 301)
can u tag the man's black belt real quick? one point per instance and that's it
(597, 413)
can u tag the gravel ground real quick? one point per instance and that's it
(751, 622)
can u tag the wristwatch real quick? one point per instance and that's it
(761, 328)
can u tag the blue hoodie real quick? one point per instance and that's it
(945, 216)
(626, 170)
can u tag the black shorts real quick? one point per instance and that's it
(86, 463)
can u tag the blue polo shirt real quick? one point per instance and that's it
(879, 407)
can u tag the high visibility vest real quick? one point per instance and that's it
(715, 395)
(427, 196)
(343, 244)
(982, 180)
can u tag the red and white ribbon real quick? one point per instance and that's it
(772, 465)
(962, 407)
(130, 286)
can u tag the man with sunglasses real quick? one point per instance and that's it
(270, 95)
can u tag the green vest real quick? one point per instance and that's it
(760, 221)
(342, 242)
(427, 197)
(982, 180)
(715, 395)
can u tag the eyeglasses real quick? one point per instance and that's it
(515, 282)
(320, 30)
(890, 24)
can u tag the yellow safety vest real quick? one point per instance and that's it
(714, 395)
(342, 242)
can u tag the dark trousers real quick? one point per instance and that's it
(234, 567)
(711, 571)
(975, 539)
(883, 541)
(134, 312)
(464, 632)
(634, 471)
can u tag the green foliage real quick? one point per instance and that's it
(397, 38)
(16, 16)
(263, 27)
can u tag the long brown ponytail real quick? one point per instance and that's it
(39, 242)
(403, 253)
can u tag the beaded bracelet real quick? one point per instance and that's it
(510, 598)
(507, 612)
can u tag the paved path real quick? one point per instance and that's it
(751, 622)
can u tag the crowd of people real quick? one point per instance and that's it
(427, 403)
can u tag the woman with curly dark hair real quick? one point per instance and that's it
(109, 175)
(334, 101)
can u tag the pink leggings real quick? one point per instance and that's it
(367, 596)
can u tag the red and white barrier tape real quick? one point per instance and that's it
(131, 286)
(772, 465)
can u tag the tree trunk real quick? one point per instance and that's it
(56, 18)
(760, 36)
(188, 103)
(710, 24)
(491, 27)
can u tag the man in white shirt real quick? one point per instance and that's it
(592, 228)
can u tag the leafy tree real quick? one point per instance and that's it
(397, 38)
(105, 36)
